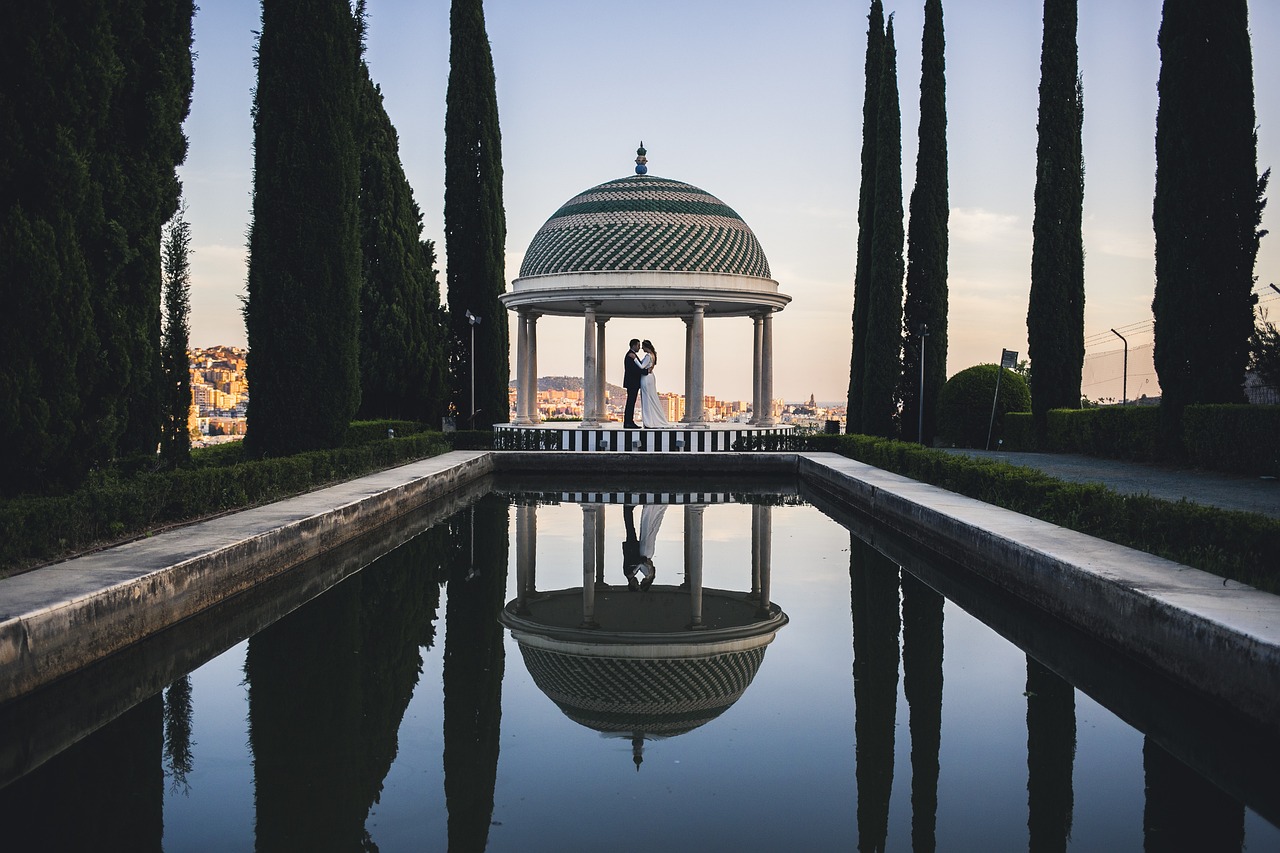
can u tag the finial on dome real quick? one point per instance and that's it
(641, 160)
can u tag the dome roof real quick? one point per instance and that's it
(645, 223)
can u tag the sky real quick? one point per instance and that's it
(760, 104)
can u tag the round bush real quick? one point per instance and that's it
(964, 404)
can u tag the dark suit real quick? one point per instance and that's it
(631, 556)
(631, 373)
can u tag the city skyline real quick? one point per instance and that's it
(763, 109)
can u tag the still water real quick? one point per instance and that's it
(752, 676)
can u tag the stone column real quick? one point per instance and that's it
(693, 562)
(589, 566)
(688, 367)
(601, 358)
(766, 372)
(697, 417)
(757, 356)
(599, 523)
(590, 364)
(534, 416)
(522, 367)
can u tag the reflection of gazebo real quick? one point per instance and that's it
(649, 664)
(644, 246)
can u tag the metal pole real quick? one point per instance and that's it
(473, 376)
(924, 333)
(1124, 384)
(991, 424)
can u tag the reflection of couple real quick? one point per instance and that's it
(637, 554)
(638, 379)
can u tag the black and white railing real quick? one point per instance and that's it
(716, 439)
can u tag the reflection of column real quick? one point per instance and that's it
(600, 369)
(697, 364)
(757, 365)
(590, 364)
(766, 550)
(599, 522)
(522, 367)
(590, 514)
(874, 593)
(693, 561)
(1184, 811)
(532, 380)
(766, 372)
(688, 367)
(526, 552)
(755, 553)
(922, 684)
(1051, 749)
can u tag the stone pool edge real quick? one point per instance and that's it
(1221, 638)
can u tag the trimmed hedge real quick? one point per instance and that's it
(1241, 439)
(1117, 432)
(111, 507)
(1237, 545)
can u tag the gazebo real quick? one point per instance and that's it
(644, 246)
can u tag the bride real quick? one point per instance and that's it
(652, 411)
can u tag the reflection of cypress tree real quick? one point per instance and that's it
(328, 687)
(473, 667)
(1051, 749)
(104, 793)
(922, 683)
(1184, 811)
(874, 587)
(177, 732)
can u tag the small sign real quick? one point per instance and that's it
(1008, 359)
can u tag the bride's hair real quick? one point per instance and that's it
(648, 346)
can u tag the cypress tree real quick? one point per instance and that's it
(402, 370)
(1055, 311)
(927, 242)
(175, 440)
(57, 67)
(475, 225)
(302, 314)
(137, 154)
(1208, 206)
(866, 204)
(883, 337)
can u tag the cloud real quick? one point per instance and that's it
(973, 225)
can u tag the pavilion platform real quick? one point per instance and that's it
(611, 436)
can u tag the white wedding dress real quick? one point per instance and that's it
(652, 411)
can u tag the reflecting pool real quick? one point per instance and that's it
(676, 667)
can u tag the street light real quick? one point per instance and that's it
(474, 321)
(1124, 386)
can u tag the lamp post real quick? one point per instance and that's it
(474, 321)
(1124, 385)
(924, 333)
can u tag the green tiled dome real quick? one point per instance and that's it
(645, 223)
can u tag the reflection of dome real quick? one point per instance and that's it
(660, 697)
(645, 223)
(642, 670)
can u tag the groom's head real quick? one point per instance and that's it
(635, 344)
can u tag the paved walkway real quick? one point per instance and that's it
(1227, 491)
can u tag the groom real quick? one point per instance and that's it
(631, 373)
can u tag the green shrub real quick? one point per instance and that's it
(363, 432)
(110, 505)
(1020, 431)
(1237, 545)
(1118, 432)
(1241, 439)
(964, 404)
(477, 439)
